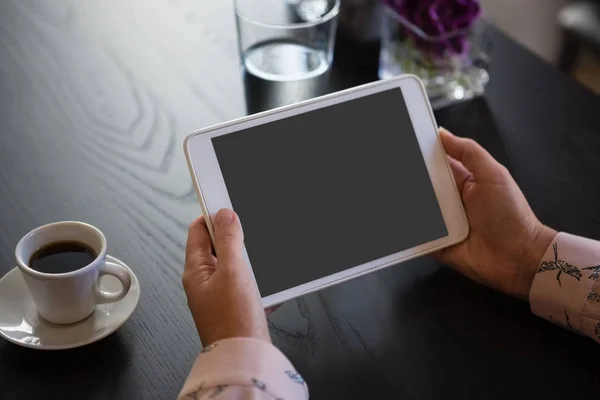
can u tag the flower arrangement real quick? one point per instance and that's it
(440, 41)
(448, 20)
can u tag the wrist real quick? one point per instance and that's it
(208, 339)
(532, 257)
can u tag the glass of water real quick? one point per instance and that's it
(286, 40)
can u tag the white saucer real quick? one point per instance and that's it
(20, 323)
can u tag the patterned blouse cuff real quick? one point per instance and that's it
(566, 288)
(245, 362)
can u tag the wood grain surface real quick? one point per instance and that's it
(95, 100)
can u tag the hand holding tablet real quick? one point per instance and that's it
(506, 240)
(358, 177)
(504, 244)
(221, 291)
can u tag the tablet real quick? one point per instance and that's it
(331, 188)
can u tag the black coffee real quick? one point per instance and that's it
(61, 257)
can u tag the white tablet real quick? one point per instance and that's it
(331, 188)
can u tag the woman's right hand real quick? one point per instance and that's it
(506, 240)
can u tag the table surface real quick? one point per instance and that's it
(95, 100)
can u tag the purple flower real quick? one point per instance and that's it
(437, 18)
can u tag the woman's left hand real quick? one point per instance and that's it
(221, 291)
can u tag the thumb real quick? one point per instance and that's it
(467, 151)
(461, 174)
(229, 238)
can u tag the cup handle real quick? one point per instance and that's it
(119, 272)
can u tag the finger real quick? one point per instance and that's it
(467, 151)
(198, 246)
(271, 310)
(229, 239)
(461, 174)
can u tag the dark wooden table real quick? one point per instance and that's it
(95, 100)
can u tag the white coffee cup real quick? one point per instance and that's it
(65, 298)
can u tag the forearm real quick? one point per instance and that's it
(243, 368)
(566, 286)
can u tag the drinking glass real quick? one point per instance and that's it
(286, 40)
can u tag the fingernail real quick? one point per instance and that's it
(442, 129)
(225, 217)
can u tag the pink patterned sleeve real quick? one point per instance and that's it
(566, 287)
(243, 368)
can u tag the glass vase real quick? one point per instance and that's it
(453, 66)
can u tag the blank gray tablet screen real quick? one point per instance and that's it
(330, 189)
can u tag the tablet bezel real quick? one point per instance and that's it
(212, 191)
